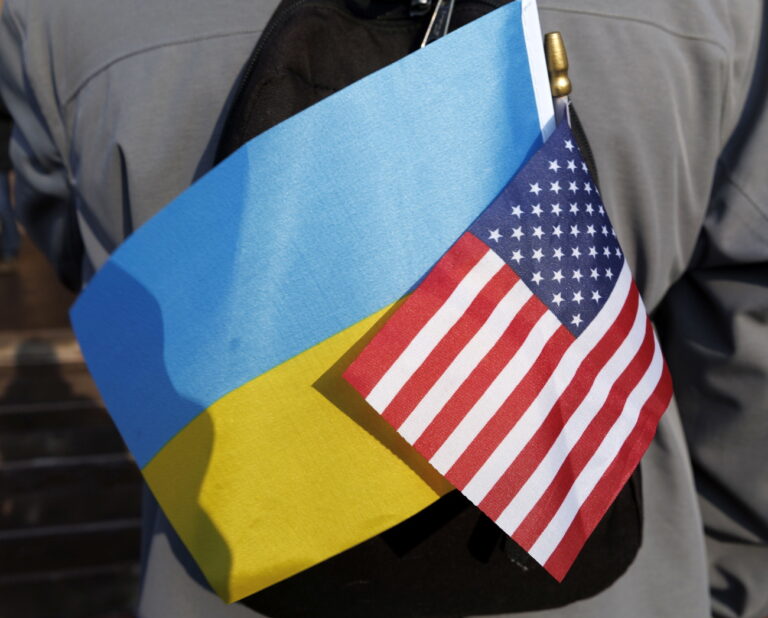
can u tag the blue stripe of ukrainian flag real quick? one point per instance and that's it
(218, 332)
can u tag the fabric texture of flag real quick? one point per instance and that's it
(218, 332)
(524, 367)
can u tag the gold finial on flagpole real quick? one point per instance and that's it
(557, 64)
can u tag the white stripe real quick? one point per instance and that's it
(550, 465)
(600, 461)
(496, 394)
(538, 66)
(531, 420)
(465, 362)
(434, 330)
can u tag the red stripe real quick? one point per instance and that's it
(521, 398)
(510, 411)
(376, 358)
(570, 399)
(546, 507)
(449, 347)
(480, 379)
(613, 480)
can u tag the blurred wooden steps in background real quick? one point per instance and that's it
(69, 492)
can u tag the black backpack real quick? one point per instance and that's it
(450, 559)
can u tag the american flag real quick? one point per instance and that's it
(524, 366)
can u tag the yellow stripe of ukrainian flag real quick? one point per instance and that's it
(337, 482)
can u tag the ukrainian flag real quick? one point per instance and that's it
(217, 334)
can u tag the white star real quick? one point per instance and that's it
(535, 188)
(569, 145)
(596, 296)
(494, 235)
(574, 208)
(584, 168)
(517, 211)
(557, 299)
(575, 230)
(558, 276)
(607, 251)
(613, 232)
(577, 275)
(588, 188)
(589, 208)
(575, 252)
(537, 278)
(537, 255)
(609, 273)
(571, 165)
(517, 233)
(618, 252)
(604, 230)
(555, 187)
(592, 252)
(536, 210)
(576, 321)
(572, 186)
(556, 210)
(554, 166)
(577, 297)
(600, 210)
(591, 230)
(558, 253)
(594, 274)
(537, 232)
(517, 256)
(556, 231)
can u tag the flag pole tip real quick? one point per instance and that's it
(557, 64)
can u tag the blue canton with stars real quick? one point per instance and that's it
(551, 227)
